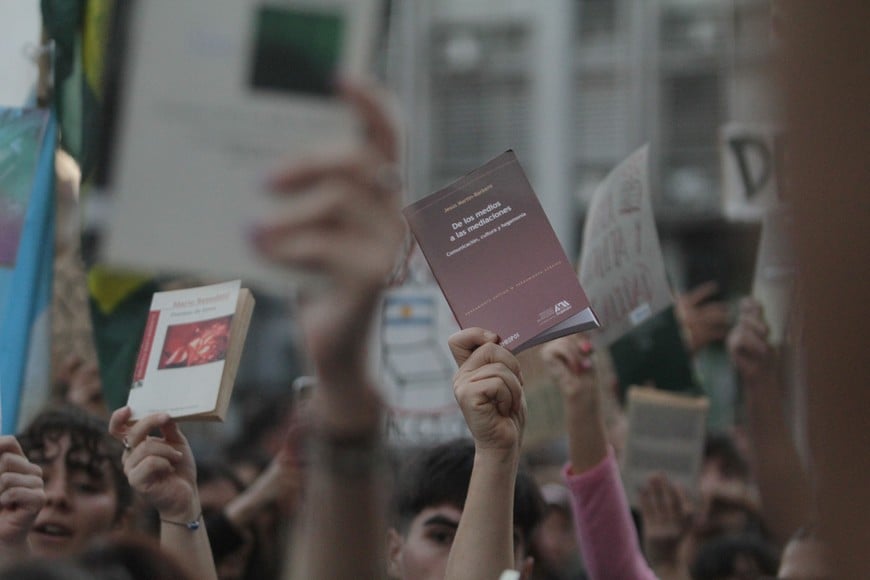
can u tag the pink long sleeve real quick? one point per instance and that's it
(605, 530)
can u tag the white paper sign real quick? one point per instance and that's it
(415, 365)
(621, 265)
(751, 161)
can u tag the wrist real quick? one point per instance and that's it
(507, 457)
(181, 514)
(581, 399)
(349, 457)
(349, 413)
(662, 551)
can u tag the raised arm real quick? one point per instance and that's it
(605, 531)
(489, 391)
(344, 223)
(162, 470)
(22, 495)
(782, 483)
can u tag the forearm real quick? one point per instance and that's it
(602, 519)
(183, 535)
(243, 508)
(344, 507)
(483, 547)
(587, 439)
(782, 482)
(345, 499)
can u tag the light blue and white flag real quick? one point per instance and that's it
(27, 148)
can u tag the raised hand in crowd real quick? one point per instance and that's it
(488, 388)
(342, 222)
(667, 518)
(22, 496)
(755, 358)
(782, 482)
(278, 486)
(570, 362)
(704, 321)
(161, 468)
(606, 534)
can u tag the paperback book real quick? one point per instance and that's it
(204, 99)
(666, 433)
(190, 352)
(497, 259)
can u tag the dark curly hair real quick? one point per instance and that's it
(440, 474)
(91, 446)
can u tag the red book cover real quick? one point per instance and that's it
(497, 259)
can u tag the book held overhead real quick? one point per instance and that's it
(190, 352)
(497, 259)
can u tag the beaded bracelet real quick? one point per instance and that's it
(192, 525)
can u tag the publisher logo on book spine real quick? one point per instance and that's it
(559, 308)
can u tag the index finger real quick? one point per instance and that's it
(700, 293)
(466, 341)
(9, 444)
(382, 131)
(139, 430)
(489, 353)
(118, 422)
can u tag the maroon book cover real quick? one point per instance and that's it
(497, 259)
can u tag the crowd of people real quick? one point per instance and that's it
(90, 496)
(331, 500)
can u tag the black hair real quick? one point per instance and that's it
(215, 470)
(732, 463)
(91, 446)
(440, 475)
(717, 559)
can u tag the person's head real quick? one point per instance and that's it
(737, 557)
(429, 499)
(554, 543)
(727, 501)
(805, 557)
(87, 493)
(722, 461)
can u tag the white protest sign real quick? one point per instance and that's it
(621, 265)
(751, 160)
